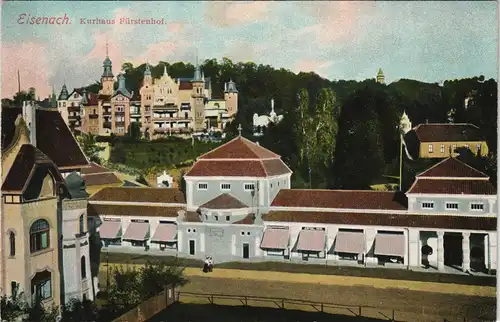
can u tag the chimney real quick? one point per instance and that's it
(272, 104)
(181, 215)
(29, 115)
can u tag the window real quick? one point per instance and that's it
(83, 268)
(442, 148)
(225, 186)
(94, 111)
(39, 235)
(82, 224)
(216, 218)
(249, 187)
(242, 233)
(477, 207)
(202, 186)
(248, 233)
(431, 148)
(194, 230)
(41, 288)
(451, 206)
(228, 218)
(427, 205)
(467, 146)
(478, 148)
(453, 148)
(12, 241)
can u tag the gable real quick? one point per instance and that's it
(41, 183)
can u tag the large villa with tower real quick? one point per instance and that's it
(160, 107)
(238, 206)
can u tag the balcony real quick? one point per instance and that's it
(106, 125)
(135, 111)
(121, 113)
(171, 119)
(74, 109)
(185, 107)
(119, 123)
(173, 130)
(93, 116)
(106, 112)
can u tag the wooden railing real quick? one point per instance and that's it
(388, 314)
(282, 303)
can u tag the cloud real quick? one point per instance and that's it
(114, 51)
(228, 14)
(335, 21)
(319, 67)
(31, 61)
(162, 51)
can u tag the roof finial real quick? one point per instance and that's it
(239, 130)
(107, 46)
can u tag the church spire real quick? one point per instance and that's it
(107, 65)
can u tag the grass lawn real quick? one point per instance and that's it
(144, 155)
(395, 274)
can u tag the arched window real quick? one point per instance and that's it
(12, 240)
(83, 268)
(82, 224)
(39, 235)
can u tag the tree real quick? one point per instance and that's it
(155, 276)
(13, 307)
(134, 131)
(127, 67)
(79, 311)
(38, 313)
(89, 146)
(359, 154)
(123, 293)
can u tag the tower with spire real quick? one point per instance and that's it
(231, 98)
(148, 79)
(198, 98)
(380, 76)
(62, 103)
(107, 77)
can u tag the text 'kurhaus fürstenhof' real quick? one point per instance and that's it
(28, 19)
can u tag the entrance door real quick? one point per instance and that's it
(192, 247)
(246, 250)
(453, 249)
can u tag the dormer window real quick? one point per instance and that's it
(427, 205)
(476, 206)
(225, 186)
(431, 148)
(451, 206)
(442, 148)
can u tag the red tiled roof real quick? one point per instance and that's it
(452, 167)
(53, 137)
(454, 187)
(239, 148)
(28, 159)
(441, 132)
(98, 179)
(92, 99)
(239, 157)
(248, 220)
(362, 219)
(133, 211)
(139, 194)
(224, 201)
(192, 216)
(185, 85)
(350, 199)
(207, 168)
(94, 168)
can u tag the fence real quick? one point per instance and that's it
(340, 309)
(149, 308)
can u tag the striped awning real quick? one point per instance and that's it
(311, 240)
(350, 242)
(390, 244)
(165, 233)
(275, 238)
(137, 231)
(110, 229)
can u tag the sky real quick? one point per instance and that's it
(426, 41)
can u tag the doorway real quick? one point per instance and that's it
(246, 250)
(453, 250)
(192, 247)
